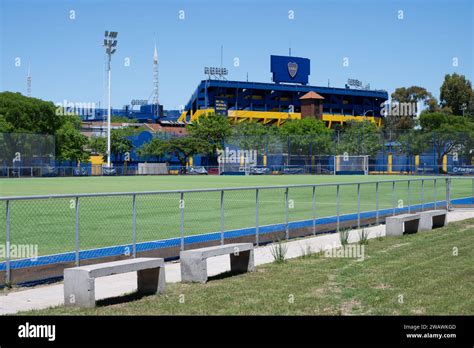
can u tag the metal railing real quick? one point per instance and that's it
(85, 226)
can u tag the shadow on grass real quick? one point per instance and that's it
(137, 296)
(121, 299)
(224, 275)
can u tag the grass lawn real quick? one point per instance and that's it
(107, 221)
(419, 267)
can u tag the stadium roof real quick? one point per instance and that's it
(311, 95)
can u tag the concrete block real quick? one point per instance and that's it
(432, 219)
(79, 288)
(79, 282)
(400, 224)
(194, 262)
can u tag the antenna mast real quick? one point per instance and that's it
(28, 82)
(155, 81)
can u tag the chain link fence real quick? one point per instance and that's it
(87, 228)
(32, 155)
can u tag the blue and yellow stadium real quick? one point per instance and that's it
(283, 99)
(287, 97)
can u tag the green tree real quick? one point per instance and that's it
(256, 136)
(71, 144)
(20, 114)
(455, 92)
(28, 115)
(359, 138)
(212, 129)
(119, 144)
(185, 147)
(152, 148)
(410, 97)
(307, 136)
(448, 134)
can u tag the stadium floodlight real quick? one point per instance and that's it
(110, 44)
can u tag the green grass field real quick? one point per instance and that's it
(421, 267)
(107, 221)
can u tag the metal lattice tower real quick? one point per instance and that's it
(155, 81)
(28, 82)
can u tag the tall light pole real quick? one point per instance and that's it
(110, 44)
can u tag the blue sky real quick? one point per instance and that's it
(67, 59)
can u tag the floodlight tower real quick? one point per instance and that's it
(110, 44)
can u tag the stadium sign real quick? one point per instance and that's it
(290, 69)
(220, 107)
(139, 102)
(462, 170)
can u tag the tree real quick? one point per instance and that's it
(20, 114)
(469, 111)
(455, 92)
(119, 144)
(359, 138)
(153, 148)
(413, 142)
(407, 100)
(184, 147)
(249, 135)
(212, 129)
(70, 142)
(308, 136)
(28, 115)
(448, 134)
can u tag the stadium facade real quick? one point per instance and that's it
(281, 100)
(266, 102)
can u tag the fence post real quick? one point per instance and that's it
(448, 193)
(422, 194)
(222, 217)
(287, 228)
(314, 209)
(435, 194)
(358, 205)
(377, 203)
(134, 226)
(181, 205)
(77, 231)
(257, 215)
(409, 196)
(393, 198)
(337, 208)
(7, 251)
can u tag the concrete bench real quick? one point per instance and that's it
(432, 219)
(79, 282)
(404, 223)
(194, 262)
